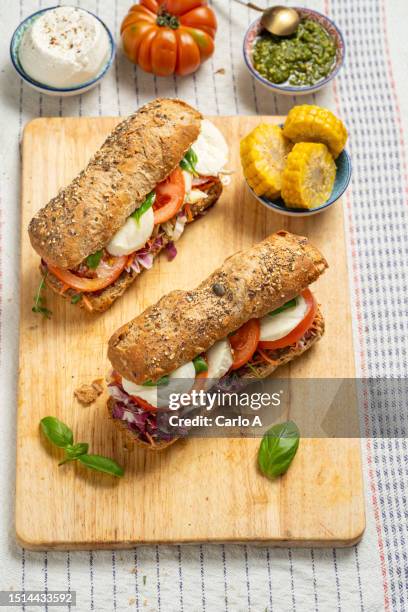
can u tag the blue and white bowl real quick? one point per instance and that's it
(256, 28)
(343, 175)
(46, 89)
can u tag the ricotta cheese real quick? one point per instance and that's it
(64, 47)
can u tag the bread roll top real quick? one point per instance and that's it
(184, 324)
(140, 153)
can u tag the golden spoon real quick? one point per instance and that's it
(278, 20)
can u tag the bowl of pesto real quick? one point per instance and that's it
(301, 63)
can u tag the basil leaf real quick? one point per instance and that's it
(200, 364)
(278, 448)
(189, 161)
(164, 380)
(56, 431)
(76, 298)
(149, 201)
(192, 157)
(92, 261)
(290, 304)
(101, 464)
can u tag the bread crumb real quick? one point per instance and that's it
(88, 394)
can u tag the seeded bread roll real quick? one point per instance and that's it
(102, 300)
(184, 324)
(140, 153)
(279, 357)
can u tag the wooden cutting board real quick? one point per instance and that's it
(199, 490)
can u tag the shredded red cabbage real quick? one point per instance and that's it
(171, 251)
(139, 421)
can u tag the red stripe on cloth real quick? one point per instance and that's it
(362, 355)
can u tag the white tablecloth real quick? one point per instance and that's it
(371, 95)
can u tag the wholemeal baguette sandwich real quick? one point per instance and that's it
(253, 314)
(156, 172)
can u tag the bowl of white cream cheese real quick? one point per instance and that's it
(62, 50)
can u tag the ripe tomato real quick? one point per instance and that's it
(106, 275)
(171, 37)
(244, 342)
(300, 329)
(169, 197)
(143, 404)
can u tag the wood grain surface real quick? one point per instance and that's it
(199, 489)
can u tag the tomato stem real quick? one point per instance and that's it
(166, 19)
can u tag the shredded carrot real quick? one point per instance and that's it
(64, 288)
(130, 260)
(188, 212)
(265, 357)
(87, 303)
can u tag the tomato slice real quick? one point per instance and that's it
(169, 197)
(106, 276)
(143, 404)
(117, 378)
(300, 329)
(244, 342)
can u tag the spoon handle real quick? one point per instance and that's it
(250, 5)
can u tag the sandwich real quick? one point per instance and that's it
(157, 171)
(253, 314)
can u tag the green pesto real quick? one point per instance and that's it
(304, 58)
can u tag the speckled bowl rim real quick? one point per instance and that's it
(301, 212)
(302, 88)
(19, 69)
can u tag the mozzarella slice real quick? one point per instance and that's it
(133, 235)
(280, 325)
(149, 394)
(180, 381)
(211, 150)
(219, 358)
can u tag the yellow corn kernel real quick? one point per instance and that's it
(309, 175)
(263, 157)
(310, 123)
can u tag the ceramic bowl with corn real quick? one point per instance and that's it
(300, 168)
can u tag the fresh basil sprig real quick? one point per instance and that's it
(290, 304)
(189, 162)
(39, 300)
(92, 261)
(74, 451)
(61, 435)
(164, 380)
(200, 364)
(278, 448)
(149, 201)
